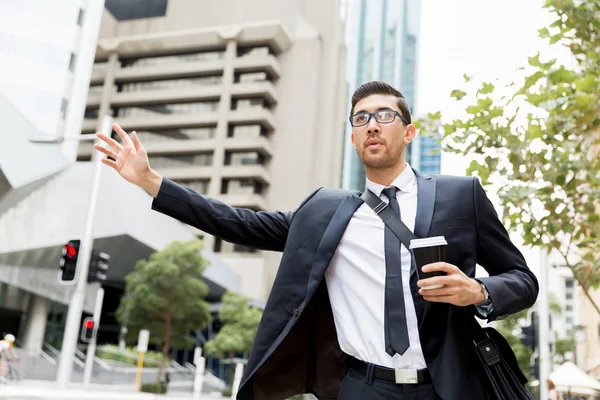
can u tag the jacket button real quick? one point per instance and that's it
(296, 312)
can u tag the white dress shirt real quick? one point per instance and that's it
(356, 282)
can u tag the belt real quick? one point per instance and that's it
(401, 376)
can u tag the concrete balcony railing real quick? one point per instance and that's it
(254, 63)
(251, 116)
(186, 69)
(258, 172)
(191, 172)
(153, 97)
(171, 121)
(260, 145)
(264, 89)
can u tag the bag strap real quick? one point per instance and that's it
(405, 236)
(392, 221)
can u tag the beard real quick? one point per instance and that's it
(385, 157)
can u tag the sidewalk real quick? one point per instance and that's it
(47, 390)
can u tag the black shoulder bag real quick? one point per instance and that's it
(502, 377)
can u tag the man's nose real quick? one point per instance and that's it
(373, 127)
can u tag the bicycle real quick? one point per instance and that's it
(10, 373)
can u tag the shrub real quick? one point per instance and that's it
(154, 387)
(130, 356)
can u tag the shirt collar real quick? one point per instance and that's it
(405, 182)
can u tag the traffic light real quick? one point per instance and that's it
(88, 330)
(98, 267)
(529, 332)
(528, 336)
(68, 261)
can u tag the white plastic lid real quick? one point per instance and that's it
(428, 242)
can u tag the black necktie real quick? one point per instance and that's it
(396, 330)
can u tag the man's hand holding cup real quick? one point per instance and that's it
(439, 281)
(457, 288)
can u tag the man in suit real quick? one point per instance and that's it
(346, 317)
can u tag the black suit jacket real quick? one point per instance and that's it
(296, 348)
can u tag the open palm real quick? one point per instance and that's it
(130, 157)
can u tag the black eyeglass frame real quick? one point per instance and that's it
(371, 115)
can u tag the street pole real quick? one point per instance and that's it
(91, 353)
(72, 326)
(544, 326)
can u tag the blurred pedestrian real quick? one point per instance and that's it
(347, 316)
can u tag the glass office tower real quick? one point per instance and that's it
(383, 40)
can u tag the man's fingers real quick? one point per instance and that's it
(443, 291)
(106, 151)
(440, 266)
(110, 141)
(110, 163)
(440, 299)
(122, 134)
(446, 280)
(136, 142)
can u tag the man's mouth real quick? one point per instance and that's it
(374, 143)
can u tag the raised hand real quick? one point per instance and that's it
(130, 160)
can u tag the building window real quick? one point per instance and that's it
(204, 133)
(244, 158)
(569, 308)
(222, 246)
(91, 113)
(167, 109)
(241, 186)
(254, 51)
(256, 102)
(242, 77)
(172, 83)
(569, 320)
(180, 160)
(80, 17)
(173, 59)
(569, 295)
(72, 62)
(246, 131)
(84, 157)
(199, 185)
(569, 283)
(64, 105)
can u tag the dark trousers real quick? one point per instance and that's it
(357, 386)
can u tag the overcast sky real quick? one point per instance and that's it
(486, 39)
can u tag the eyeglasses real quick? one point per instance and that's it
(381, 116)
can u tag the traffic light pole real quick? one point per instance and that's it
(91, 352)
(544, 326)
(72, 326)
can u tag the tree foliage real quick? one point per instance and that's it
(166, 296)
(539, 142)
(240, 323)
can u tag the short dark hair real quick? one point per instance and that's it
(379, 87)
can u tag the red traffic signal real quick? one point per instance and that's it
(88, 331)
(68, 262)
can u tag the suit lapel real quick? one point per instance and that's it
(330, 240)
(425, 206)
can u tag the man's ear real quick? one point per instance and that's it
(411, 132)
(352, 138)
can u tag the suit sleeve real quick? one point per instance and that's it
(259, 229)
(511, 285)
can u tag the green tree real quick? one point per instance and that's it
(240, 323)
(166, 296)
(539, 142)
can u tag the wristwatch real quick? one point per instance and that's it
(486, 295)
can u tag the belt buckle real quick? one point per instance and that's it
(405, 376)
